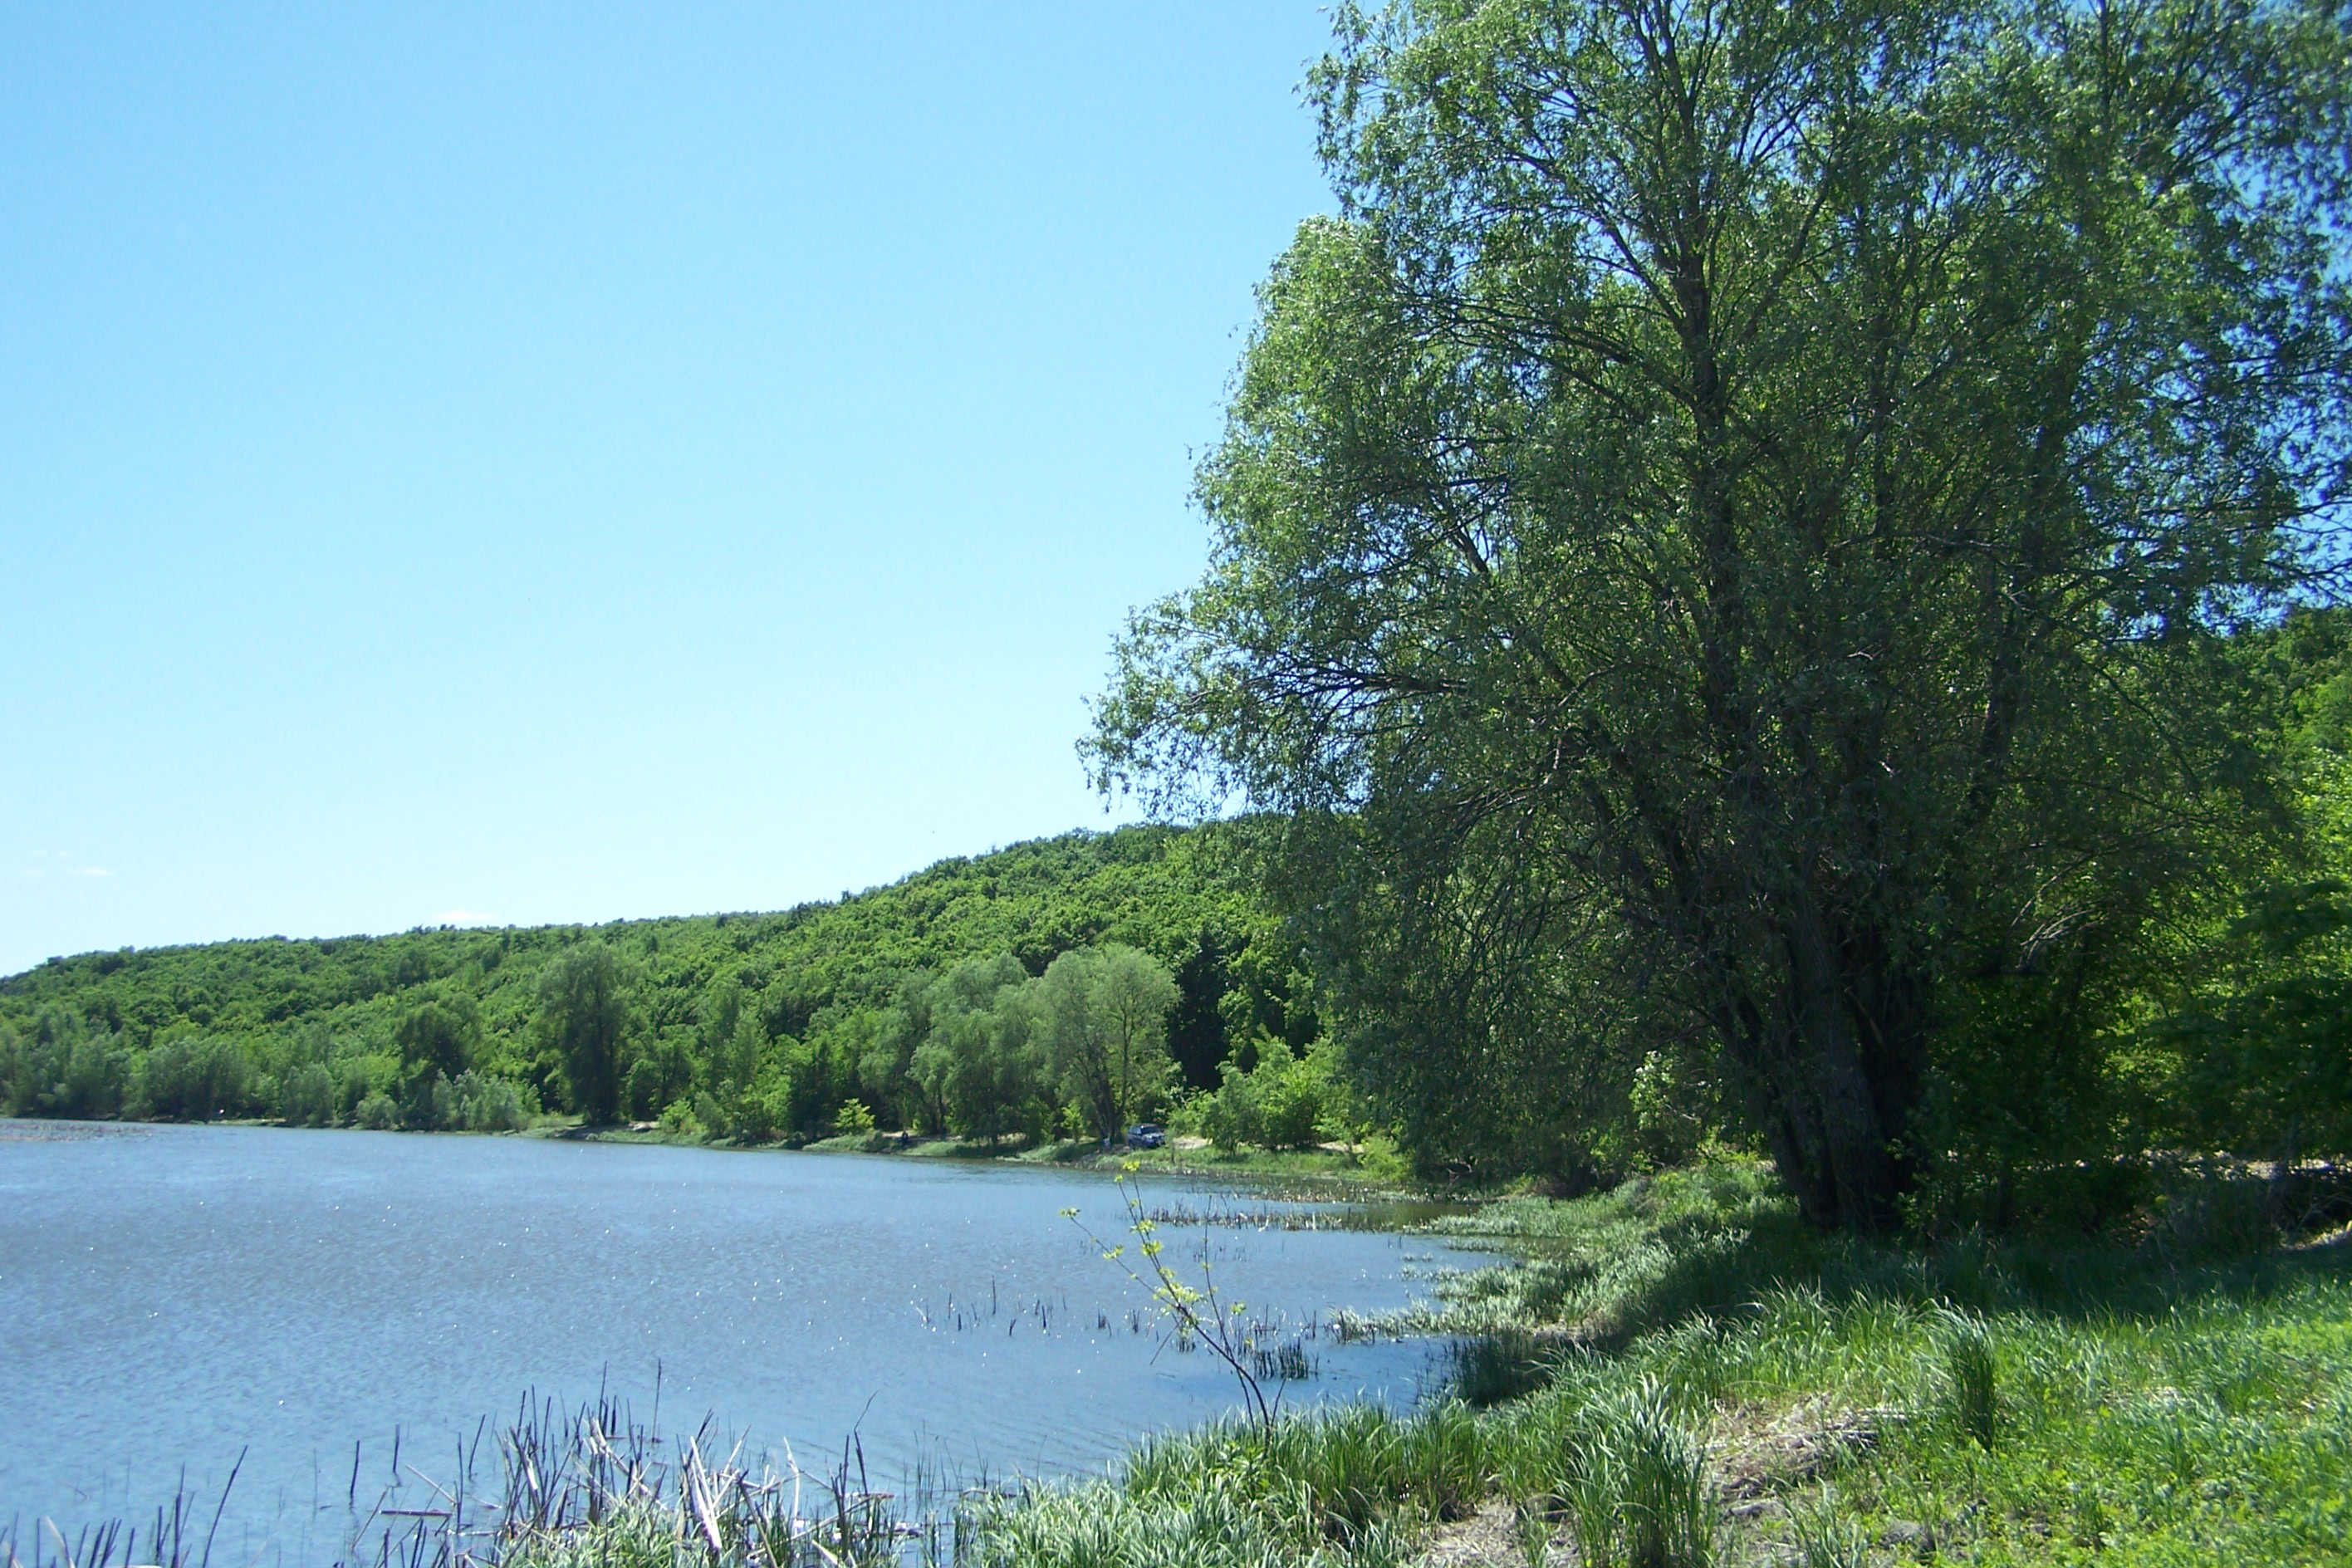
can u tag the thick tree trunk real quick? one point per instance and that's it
(1834, 1110)
(1861, 1168)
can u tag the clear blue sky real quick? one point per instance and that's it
(563, 462)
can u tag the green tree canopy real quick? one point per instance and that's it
(978, 1060)
(1106, 1023)
(1727, 538)
(583, 1016)
(438, 1035)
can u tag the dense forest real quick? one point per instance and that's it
(977, 998)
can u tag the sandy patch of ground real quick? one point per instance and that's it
(1487, 1539)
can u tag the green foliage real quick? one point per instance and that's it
(438, 1035)
(584, 1014)
(190, 1078)
(1104, 1015)
(1669, 1116)
(1347, 1475)
(642, 1093)
(308, 1099)
(771, 1022)
(59, 1066)
(467, 1103)
(1825, 1538)
(2247, 1050)
(1971, 1378)
(1280, 1104)
(970, 1036)
(2011, 1402)
(1217, 1519)
(1733, 534)
(1632, 1479)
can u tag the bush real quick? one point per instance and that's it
(309, 1098)
(359, 1078)
(62, 1070)
(430, 1105)
(492, 1104)
(757, 1115)
(377, 1112)
(642, 1095)
(709, 1112)
(1280, 1105)
(189, 1079)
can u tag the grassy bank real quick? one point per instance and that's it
(1374, 1165)
(1680, 1373)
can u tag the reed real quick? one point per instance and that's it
(1633, 1480)
(575, 1488)
(1972, 1377)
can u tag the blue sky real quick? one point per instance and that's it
(561, 463)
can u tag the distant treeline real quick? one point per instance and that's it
(1056, 987)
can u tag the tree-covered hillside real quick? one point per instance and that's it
(770, 1020)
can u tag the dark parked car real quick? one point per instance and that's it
(1144, 1135)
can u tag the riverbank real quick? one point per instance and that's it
(1339, 1172)
(1680, 1373)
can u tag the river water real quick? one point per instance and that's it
(177, 1296)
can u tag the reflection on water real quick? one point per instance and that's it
(179, 1296)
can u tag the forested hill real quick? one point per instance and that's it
(809, 974)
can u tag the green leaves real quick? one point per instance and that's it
(584, 1014)
(1724, 543)
(1104, 1032)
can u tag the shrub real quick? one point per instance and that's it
(709, 1113)
(359, 1078)
(643, 1096)
(758, 1114)
(1280, 1104)
(491, 1105)
(1634, 1483)
(429, 1104)
(62, 1070)
(189, 1079)
(309, 1098)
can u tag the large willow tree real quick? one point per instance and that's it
(1725, 536)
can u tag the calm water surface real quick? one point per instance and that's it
(176, 1295)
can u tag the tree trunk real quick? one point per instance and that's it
(1832, 1110)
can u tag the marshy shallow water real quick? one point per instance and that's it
(179, 1296)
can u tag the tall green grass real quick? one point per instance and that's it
(2026, 1402)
